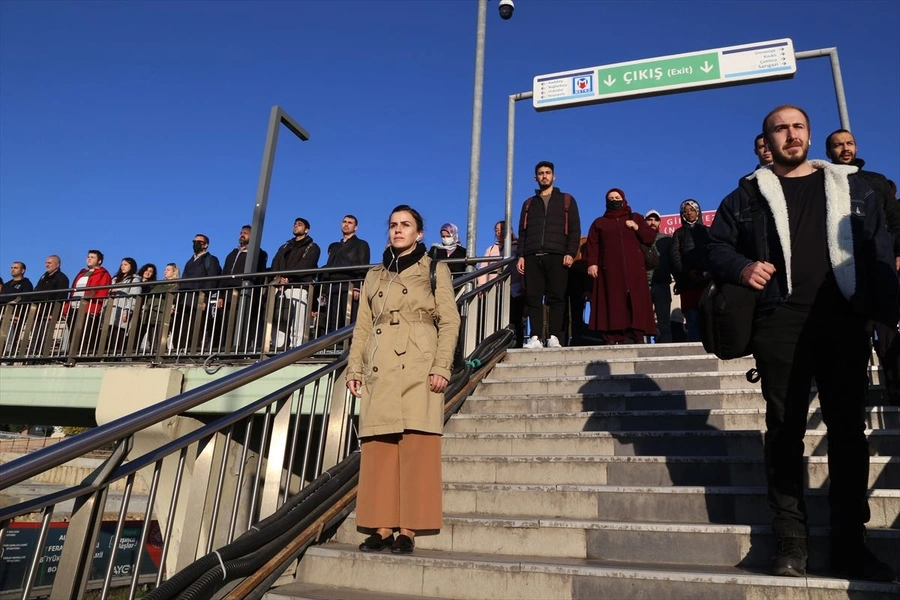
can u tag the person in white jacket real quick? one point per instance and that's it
(122, 300)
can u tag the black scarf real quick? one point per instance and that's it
(400, 264)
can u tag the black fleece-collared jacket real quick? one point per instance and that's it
(882, 189)
(546, 231)
(859, 244)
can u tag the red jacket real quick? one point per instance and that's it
(99, 276)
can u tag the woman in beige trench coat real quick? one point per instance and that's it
(399, 366)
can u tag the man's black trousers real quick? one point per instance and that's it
(545, 275)
(792, 347)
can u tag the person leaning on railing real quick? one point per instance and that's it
(93, 275)
(399, 366)
(156, 309)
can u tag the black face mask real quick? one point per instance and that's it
(614, 204)
(198, 247)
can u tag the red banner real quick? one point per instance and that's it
(669, 223)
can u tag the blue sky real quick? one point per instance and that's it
(131, 126)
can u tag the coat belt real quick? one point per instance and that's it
(393, 317)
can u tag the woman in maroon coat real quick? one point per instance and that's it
(621, 308)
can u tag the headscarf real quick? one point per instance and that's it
(696, 206)
(624, 211)
(453, 230)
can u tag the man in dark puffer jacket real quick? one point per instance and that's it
(549, 232)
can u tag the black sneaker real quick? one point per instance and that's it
(790, 557)
(856, 561)
(376, 543)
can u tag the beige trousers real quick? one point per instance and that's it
(400, 483)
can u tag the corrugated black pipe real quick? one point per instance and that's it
(270, 528)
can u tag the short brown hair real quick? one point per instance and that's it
(765, 122)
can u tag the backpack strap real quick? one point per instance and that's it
(567, 202)
(432, 275)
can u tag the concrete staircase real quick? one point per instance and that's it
(620, 472)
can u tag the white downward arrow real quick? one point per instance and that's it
(609, 80)
(706, 68)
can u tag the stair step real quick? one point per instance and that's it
(712, 442)
(586, 353)
(686, 544)
(473, 576)
(884, 471)
(549, 386)
(657, 400)
(683, 504)
(306, 591)
(627, 401)
(651, 420)
(493, 385)
(558, 366)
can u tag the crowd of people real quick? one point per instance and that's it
(203, 287)
(826, 276)
(826, 273)
(631, 295)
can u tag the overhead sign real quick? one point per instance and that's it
(666, 74)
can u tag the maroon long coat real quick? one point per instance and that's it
(621, 296)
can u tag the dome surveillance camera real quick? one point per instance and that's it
(506, 9)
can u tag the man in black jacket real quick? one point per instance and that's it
(192, 301)
(841, 148)
(349, 251)
(549, 232)
(246, 300)
(52, 280)
(299, 253)
(761, 151)
(826, 278)
(54, 285)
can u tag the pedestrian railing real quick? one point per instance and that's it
(212, 483)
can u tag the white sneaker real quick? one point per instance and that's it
(533, 342)
(553, 342)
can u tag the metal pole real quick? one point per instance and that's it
(510, 163)
(475, 162)
(262, 192)
(839, 90)
(832, 53)
(276, 117)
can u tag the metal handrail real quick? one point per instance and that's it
(290, 443)
(232, 277)
(184, 441)
(30, 465)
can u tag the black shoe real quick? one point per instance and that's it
(790, 557)
(376, 543)
(856, 561)
(403, 545)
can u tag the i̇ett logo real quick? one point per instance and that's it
(583, 85)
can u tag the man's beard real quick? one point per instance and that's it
(783, 160)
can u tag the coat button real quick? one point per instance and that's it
(378, 330)
(402, 366)
(374, 369)
(405, 291)
(380, 294)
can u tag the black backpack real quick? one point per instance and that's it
(727, 310)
